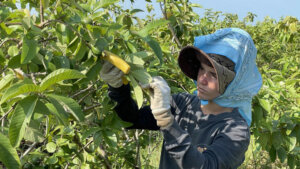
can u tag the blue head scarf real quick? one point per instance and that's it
(237, 45)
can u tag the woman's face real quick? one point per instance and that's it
(207, 83)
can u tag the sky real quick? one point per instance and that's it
(262, 8)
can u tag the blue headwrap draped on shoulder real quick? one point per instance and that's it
(237, 45)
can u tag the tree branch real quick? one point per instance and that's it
(169, 25)
(82, 91)
(28, 150)
(37, 74)
(104, 157)
(136, 137)
(41, 11)
(10, 39)
(90, 92)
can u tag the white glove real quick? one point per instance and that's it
(111, 75)
(160, 96)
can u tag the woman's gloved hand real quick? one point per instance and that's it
(111, 75)
(160, 96)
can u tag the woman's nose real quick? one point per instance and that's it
(203, 79)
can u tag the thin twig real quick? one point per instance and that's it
(90, 92)
(13, 23)
(91, 107)
(4, 68)
(82, 91)
(104, 156)
(19, 45)
(28, 150)
(49, 39)
(125, 133)
(85, 96)
(37, 74)
(179, 85)
(136, 137)
(33, 78)
(10, 39)
(72, 158)
(169, 25)
(10, 110)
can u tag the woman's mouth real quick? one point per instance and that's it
(201, 90)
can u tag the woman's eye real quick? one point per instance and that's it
(214, 75)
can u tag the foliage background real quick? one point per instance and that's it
(54, 109)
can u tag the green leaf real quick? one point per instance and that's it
(52, 160)
(263, 140)
(89, 132)
(110, 138)
(41, 108)
(265, 104)
(19, 89)
(155, 47)
(276, 139)
(137, 91)
(291, 161)
(152, 26)
(20, 119)
(71, 105)
(14, 62)
(141, 76)
(93, 72)
(51, 147)
(45, 4)
(195, 5)
(136, 11)
(80, 51)
(59, 75)
(134, 59)
(5, 81)
(281, 153)
(257, 114)
(97, 138)
(27, 22)
(292, 142)
(7, 29)
(29, 49)
(104, 3)
(272, 154)
(13, 51)
(8, 155)
(33, 135)
(58, 111)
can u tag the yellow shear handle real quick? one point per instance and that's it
(118, 62)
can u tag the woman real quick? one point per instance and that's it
(210, 130)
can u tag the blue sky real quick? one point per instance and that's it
(262, 8)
